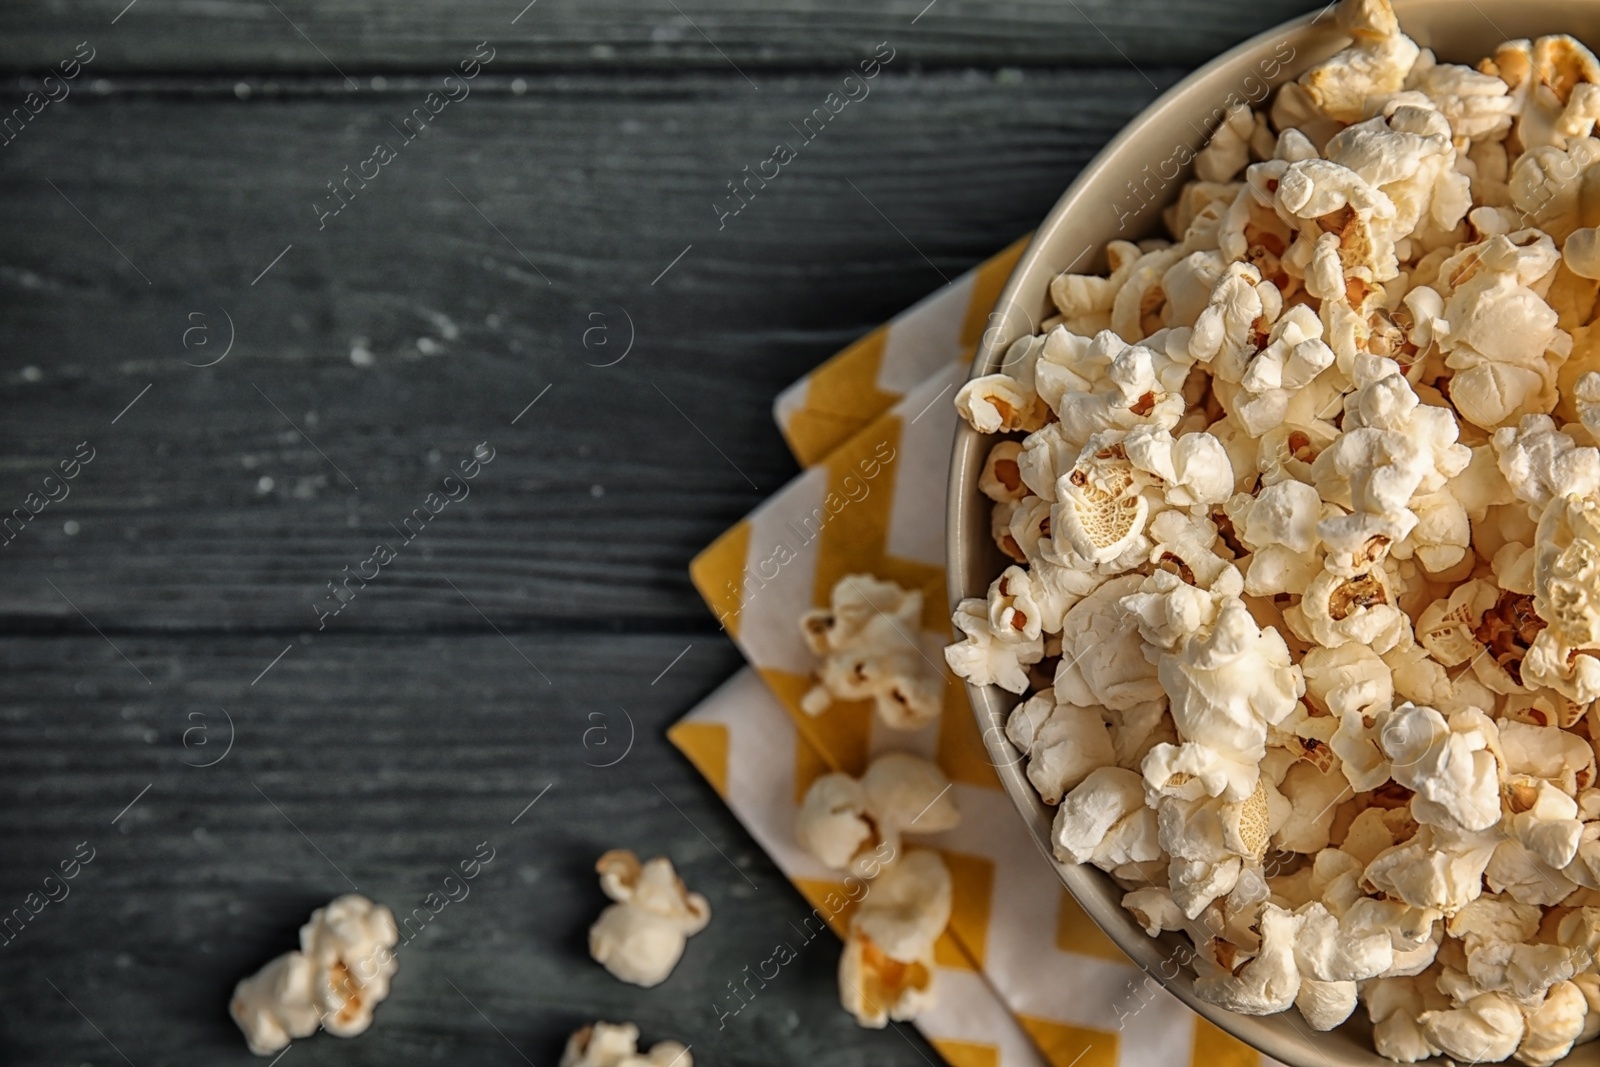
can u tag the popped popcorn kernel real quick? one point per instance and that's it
(887, 969)
(339, 975)
(851, 824)
(641, 936)
(870, 643)
(617, 1045)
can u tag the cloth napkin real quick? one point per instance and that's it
(1025, 977)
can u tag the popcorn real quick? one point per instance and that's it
(1013, 609)
(1101, 510)
(1001, 479)
(1102, 383)
(1407, 154)
(1325, 1004)
(1193, 470)
(1269, 982)
(1169, 609)
(1104, 821)
(1361, 218)
(1312, 794)
(1063, 743)
(1001, 403)
(1136, 312)
(1492, 931)
(1227, 686)
(1520, 874)
(832, 822)
(1547, 752)
(1450, 766)
(1331, 950)
(1213, 841)
(986, 658)
(1187, 545)
(1567, 599)
(1102, 659)
(1436, 868)
(1543, 819)
(339, 975)
(1503, 343)
(1540, 462)
(1241, 306)
(869, 642)
(1394, 1005)
(1084, 300)
(274, 1005)
(846, 823)
(1543, 186)
(1375, 64)
(1295, 354)
(1475, 104)
(1545, 76)
(1313, 504)
(1337, 609)
(1553, 1026)
(1353, 684)
(887, 969)
(1485, 1029)
(1226, 154)
(641, 937)
(617, 1045)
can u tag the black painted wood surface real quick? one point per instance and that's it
(174, 197)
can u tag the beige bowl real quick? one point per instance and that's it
(1100, 206)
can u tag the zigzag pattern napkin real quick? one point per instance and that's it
(1026, 979)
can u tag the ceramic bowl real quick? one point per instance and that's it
(1100, 206)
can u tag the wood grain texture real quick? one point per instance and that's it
(361, 37)
(173, 199)
(223, 499)
(395, 757)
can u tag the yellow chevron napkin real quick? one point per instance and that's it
(1026, 978)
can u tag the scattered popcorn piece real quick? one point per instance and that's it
(887, 969)
(336, 979)
(641, 937)
(849, 824)
(832, 822)
(869, 642)
(274, 1005)
(617, 1045)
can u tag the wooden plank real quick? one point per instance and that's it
(374, 354)
(362, 37)
(386, 761)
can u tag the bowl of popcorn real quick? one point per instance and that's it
(1274, 536)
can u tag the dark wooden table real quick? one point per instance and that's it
(267, 389)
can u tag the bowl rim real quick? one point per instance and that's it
(1285, 1035)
